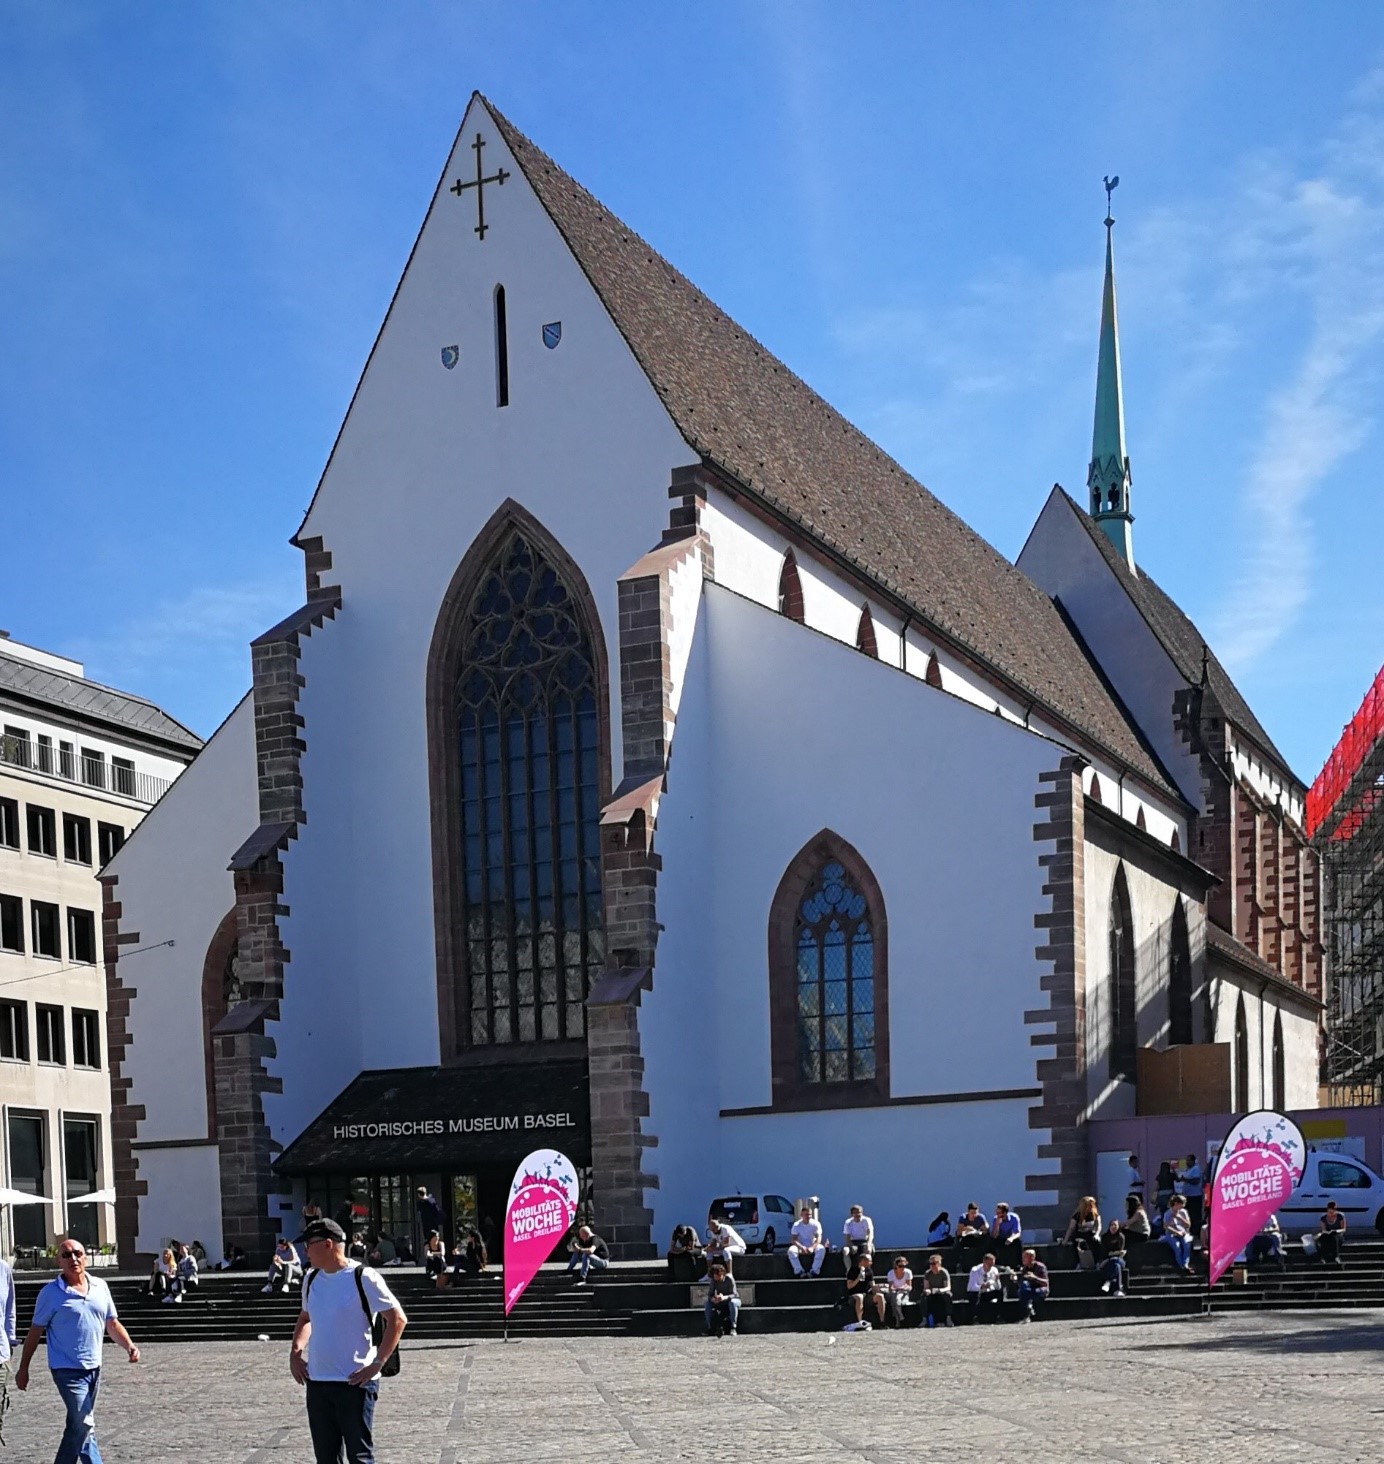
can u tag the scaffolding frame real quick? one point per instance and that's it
(1345, 821)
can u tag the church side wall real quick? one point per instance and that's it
(802, 733)
(423, 461)
(749, 556)
(1300, 1039)
(172, 884)
(1153, 894)
(1060, 557)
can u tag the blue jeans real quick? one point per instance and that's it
(78, 1388)
(342, 1416)
(1032, 1296)
(1181, 1247)
(586, 1261)
(729, 1314)
(1115, 1268)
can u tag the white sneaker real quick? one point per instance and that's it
(1106, 1287)
(866, 1327)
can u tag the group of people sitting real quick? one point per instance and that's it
(469, 1257)
(175, 1273)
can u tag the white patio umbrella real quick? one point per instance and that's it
(96, 1197)
(21, 1197)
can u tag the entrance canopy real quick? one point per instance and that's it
(410, 1120)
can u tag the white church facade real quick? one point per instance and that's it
(656, 770)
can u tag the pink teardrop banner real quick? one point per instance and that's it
(542, 1206)
(1259, 1166)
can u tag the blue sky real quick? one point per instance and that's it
(207, 206)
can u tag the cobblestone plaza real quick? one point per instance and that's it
(1243, 1388)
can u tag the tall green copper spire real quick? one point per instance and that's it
(1108, 479)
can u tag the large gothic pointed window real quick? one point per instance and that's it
(1241, 1057)
(1124, 1016)
(1179, 980)
(828, 980)
(516, 691)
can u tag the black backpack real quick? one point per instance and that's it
(390, 1367)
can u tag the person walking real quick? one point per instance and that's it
(74, 1310)
(333, 1353)
(7, 1333)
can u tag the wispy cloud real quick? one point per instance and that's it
(184, 644)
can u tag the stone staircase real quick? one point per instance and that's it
(641, 1298)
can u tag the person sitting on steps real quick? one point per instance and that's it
(1177, 1233)
(985, 1286)
(937, 1292)
(1115, 1267)
(284, 1267)
(589, 1253)
(1033, 1284)
(805, 1239)
(863, 1289)
(722, 1302)
(1331, 1235)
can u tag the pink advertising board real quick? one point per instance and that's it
(542, 1204)
(1260, 1165)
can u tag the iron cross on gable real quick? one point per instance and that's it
(478, 183)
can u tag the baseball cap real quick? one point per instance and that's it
(324, 1230)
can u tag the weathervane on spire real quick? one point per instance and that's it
(1111, 184)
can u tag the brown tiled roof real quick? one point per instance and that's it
(1220, 942)
(1183, 642)
(743, 410)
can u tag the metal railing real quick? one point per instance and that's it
(115, 776)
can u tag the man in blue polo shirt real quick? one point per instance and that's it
(75, 1310)
(6, 1329)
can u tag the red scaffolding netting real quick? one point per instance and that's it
(1364, 729)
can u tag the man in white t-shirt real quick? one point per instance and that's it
(333, 1351)
(858, 1233)
(805, 1239)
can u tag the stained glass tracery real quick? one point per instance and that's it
(835, 968)
(528, 744)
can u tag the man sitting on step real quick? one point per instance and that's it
(588, 1253)
(805, 1239)
(722, 1302)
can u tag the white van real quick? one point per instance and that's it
(761, 1221)
(1356, 1188)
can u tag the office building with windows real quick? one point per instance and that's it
(80, 765)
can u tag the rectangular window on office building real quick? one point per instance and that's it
(76, 838)
(29, 1224)
(86, 1038)
(43, 830)
(67, 760)
(123, 776)
(81, 1145)
(81, 937)
(52, 1040)
(45, 753)
(11, 923)
(16, 747)
(45, 931)
(109, 838)
(9, 823)
(93, 768)
(14, 1030)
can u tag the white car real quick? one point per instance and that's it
(1356, 1188)
(759, 1220)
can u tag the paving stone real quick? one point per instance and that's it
(1246, 1388)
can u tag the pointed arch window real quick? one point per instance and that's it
(518, 742)
(865, 633)
(1124, 1016)
(790, 591)
(933, 675)
(828, 974)
(1280, 1078)
(1241, 1057)
(1179, 980)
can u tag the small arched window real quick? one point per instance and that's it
(790, 592)
(1280, 1081)
(828, 973)
(934, 671)
(1241, 1057)
(1124, 1017)
(1140, 822)
(1095, 789)
(865, 633)
(1179, 980)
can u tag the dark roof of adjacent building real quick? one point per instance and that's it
(745, 412)
(89, 701)
(1187, 648)
(1220, 942)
